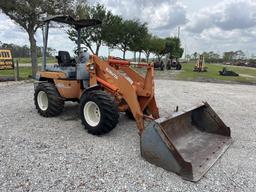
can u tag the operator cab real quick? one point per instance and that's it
(74, 68)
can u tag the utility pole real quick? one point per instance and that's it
(178, 31)
(185, 52)
(109, 51)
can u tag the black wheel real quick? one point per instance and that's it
(99, 112)
(178, 67)
(47, 100)
(129, 114)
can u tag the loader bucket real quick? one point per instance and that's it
(187, 143)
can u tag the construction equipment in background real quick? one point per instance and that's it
(226, 72)
(159, 65)
(200, 65)
(6, 60)
(175, 65)
(187, 143)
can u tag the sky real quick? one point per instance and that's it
(205, 25)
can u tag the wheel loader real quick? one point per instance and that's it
(187, 143)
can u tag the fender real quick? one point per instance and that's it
(94, 87)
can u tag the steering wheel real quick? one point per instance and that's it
(81, 49)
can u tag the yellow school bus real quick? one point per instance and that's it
(6, 60)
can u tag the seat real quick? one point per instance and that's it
(65, 64)
(64, 59)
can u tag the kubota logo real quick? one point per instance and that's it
(112, 73)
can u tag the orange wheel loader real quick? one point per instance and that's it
(187, 143)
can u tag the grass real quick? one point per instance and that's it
(247, 75)
(24, 73)
(27, 60)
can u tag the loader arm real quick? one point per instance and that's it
(123, 82)
(144, 85)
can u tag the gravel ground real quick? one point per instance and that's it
(57, 154)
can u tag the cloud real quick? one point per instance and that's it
(237, 15)
(160, 15)
(11, 32)
(228, 15)
(228, 25)
(206, 25)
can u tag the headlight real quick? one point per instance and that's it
(91, 67)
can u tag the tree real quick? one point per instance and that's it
(94, 35)
(24, 51)
(127, 35)
(229, 56)
(28, 15)
(112, 29)
(147, 45)
(240, 54)
(17, 51)
(141, 39)
(211, 57)
(173, 48)
(158, 47)
(195, 55)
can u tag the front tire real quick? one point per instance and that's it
(99, 112)
(162, 67)
(47, 100)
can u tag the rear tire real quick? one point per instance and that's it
(99, 112)
(178, 67)
(47, 100)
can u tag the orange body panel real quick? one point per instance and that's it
(53, 75)
(68, 89)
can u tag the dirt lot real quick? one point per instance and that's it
(57, 154)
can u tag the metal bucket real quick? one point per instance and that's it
(187, 143)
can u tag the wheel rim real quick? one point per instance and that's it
(92, 113)
(42, 100)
